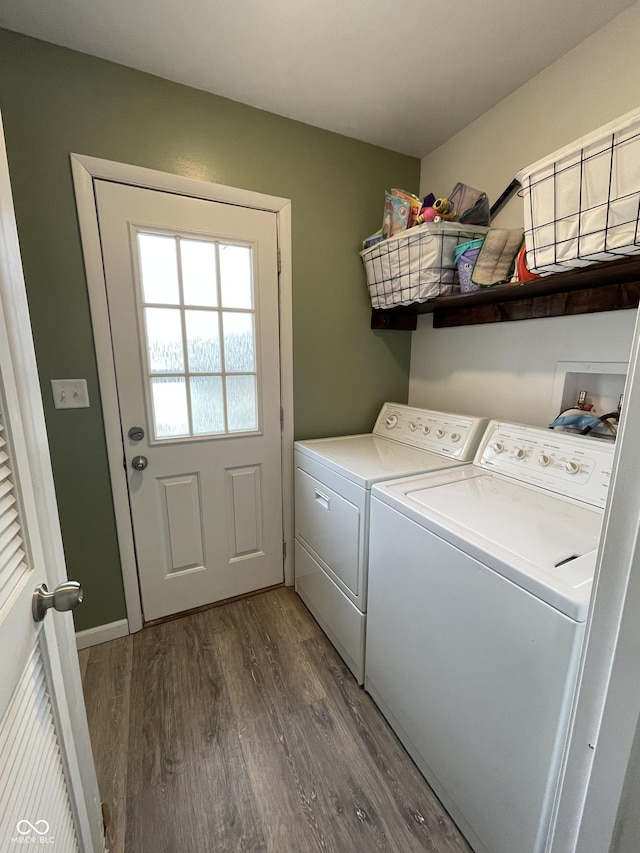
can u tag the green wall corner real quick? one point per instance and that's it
(56, 101)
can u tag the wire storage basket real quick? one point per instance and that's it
(416, 265)
(582, 203)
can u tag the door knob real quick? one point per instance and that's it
(139, 463)
(66, 596)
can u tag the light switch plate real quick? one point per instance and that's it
(70, 393)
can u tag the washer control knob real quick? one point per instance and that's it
(521, 453)
(544, 459)
(413, 426)
(391, 421)
(455, 437)
(498, 447)
(440, 433)
(572, 467)
(426, 429)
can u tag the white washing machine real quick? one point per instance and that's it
(479, 586)
(333, 479)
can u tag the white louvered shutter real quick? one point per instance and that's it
(35, 800)
(35, 806)
(12, 556)
(48, 791)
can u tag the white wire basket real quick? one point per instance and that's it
(416, 265)
(582, 203)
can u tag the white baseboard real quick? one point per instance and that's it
(102, 634)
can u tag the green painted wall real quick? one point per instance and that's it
(56, 101)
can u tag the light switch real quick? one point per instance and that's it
(70, 393)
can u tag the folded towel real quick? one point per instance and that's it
(497, 256)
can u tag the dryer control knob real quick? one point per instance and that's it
(440, 433)
(391, 421)
(498, 447)
(572, 467)
(426, 429)
(544, 459)
(521, 453)
(455, 436)
(413, 426)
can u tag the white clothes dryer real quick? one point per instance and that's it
(333, 479)
(479, 586)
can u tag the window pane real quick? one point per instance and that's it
(242, 411)
(159, 269)
(239, 344)
(207, 410)
(169, 406)
(203, 341)
(199, 272)
(164, 340)
(236, 276)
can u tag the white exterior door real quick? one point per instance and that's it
(192, 289)
(48, 788)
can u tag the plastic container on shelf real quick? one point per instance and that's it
(582, 203)
(465, 256)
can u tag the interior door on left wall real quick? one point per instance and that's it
(48, 787)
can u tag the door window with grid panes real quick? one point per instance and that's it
(198, 313)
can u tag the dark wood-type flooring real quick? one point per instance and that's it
(240, 729)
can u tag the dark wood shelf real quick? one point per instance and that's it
(608, 286)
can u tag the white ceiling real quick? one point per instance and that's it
(405, 75)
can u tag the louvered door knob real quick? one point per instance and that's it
(66, 596)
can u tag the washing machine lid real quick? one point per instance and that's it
(543, 543)
(368, 459)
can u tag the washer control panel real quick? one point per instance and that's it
(447, 434)
(570, 465)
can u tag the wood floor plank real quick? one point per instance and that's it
(413, 800)
(107, 686)
(285, 612)
(345, 796)
(242, 730)
(263, 664)
(287, 818)
(188, 785)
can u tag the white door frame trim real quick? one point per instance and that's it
(86, 170)
(607, 705)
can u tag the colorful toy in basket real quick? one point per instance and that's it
(426, 213)
(396, 216)
(463, 205)
(400, 212)
(414, 204)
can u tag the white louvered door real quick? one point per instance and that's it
(48, 789)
